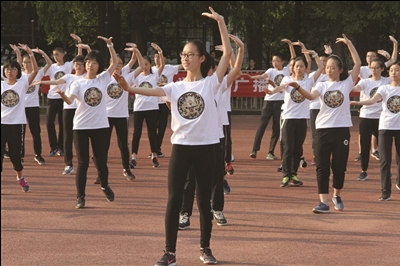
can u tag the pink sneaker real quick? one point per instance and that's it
(24, 185)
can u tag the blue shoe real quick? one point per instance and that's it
(321, 208)
(338, 203)
(53, 153)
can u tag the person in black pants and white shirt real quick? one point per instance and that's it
(389, 128)
(332, 136)
(13, 117)
(90, 120)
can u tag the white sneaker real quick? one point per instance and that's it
(271, 157)
(68, 170)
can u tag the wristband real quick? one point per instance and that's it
(315, 55)
(297, 88)
(160, 52)
(110, 45)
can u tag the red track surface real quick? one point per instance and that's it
(267, 224)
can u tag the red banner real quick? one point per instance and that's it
(242, 87)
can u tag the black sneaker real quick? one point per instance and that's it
(39, 159)
(6, 155)
(253, 154)
(285, 181)
(60, 152)
(132, 164)
(338, 203)
(155, 162)
(358, 158)
(160, 155)
(80, 202)
(279, 168)
(149, 156)
(97, 181)
(303, 162)
(384, 197)
(294, 181)
(129, 175)
(52, 152)
(168, 259)
(184, 221)
(206, 256)
(227, 188)
(321, 208)
(22, 161)
(219, 216)
(109, 193)
(363, 176)
(375, 154)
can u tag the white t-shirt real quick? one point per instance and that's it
(142, 102)
(335, 103)
(225, 101)
(296, 105)
(167, 76)
(117, 100)
(69, 78)
(55, 72)
(222, 113)
(276, 76)
(368, 90)
(91, 112)
(390, 115)
(193, 111)
(365, 72)
(2, 73)
(316, 104)
(13, 102)
(32, 94)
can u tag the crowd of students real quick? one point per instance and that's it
(94, 99)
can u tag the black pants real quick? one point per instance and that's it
(55, 108)
(189, 192)
(227, 145)
(13, 136)
(270, 109)
(33, 119)
(385, 152)
(121, 128)
(162, 121)
(331, 142)
(203, 159)
(294, 133)
(151, 122)
(68, 119)
(97, 140)
(313, 117)
(367, 127)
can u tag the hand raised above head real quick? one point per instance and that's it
(343, 40)
(236, 39)
(75, 37)
(327, 49)
(214, 15)
(107, 40)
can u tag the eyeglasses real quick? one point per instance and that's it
(188, 55)
(374, 68)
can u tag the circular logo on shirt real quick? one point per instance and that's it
(30, 89)
(190, 105)
(162, 80)
(372, 93)
(114, 91)
(346, 142)
(393, 104)
(9, 98)
(146, 84)
(93, 97)
(278, 79)
(296, 96)
(333, 99)
(59, 75)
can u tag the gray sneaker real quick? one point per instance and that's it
(321, 208)
(184, 221)
(363, 176)
(337, 200)
(375, 154)
(68, 170)
(219, 216)
(206, 256)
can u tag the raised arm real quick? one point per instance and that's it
(306, 55)
(354, 55)
(84, 46)
(78, 40)
(35, 69)
(132, 61)
(291, 48)
(137, 90)
(226, 45)
(46, 58)
(160, 57)
(392, 59)
(138, 55)
(237, 66)
(17, 53)
(317, 60)
(114, 58)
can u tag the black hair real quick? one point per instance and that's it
(280, 55)
(339, 62)
(301, 58)
(207, 63)
(11, 64)
(148, 59)
(395, 63)
(383, 66)
(95, 55)
(79, 58)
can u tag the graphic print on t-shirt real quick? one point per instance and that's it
(278, 79)
(296, 96)
(93, 97)
(162, 80)
(9, 98)
(333, 99)
(372, 93)
(146, 84)
(30, 89)
(59, 75)
(114, 91)
(190, 105)
(393, 104)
